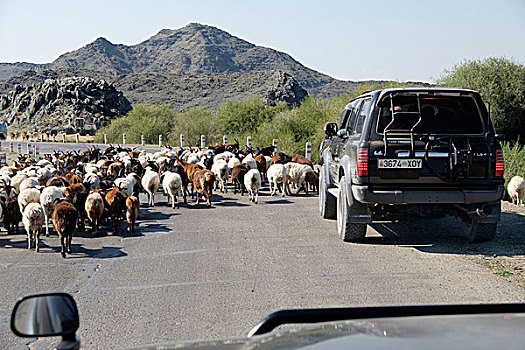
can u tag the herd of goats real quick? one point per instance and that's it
(104, 186)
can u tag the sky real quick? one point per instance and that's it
(399, 40)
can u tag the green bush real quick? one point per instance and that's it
(148, 120)
(514, 155)
(501, 83)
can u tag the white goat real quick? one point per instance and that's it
(26, 196)
(172, 183)
(150, 183)
(221, 170)
(296, 173)
(125, 185)
(250, 162)
(516, 189)
(252, 181)
(16, 181)
(277, 175)
(30, 182)
(33, 220)
(49, 199)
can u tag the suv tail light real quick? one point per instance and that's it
(362, 162)
(500, 163)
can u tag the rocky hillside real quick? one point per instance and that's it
(192, 50)
(54, 104)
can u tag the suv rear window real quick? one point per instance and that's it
(430, 114)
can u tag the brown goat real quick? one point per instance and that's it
(116, 206)
(297, 158)
(58, 181)
(73, 189)
(94, 209)
(65, 218)
(132, 212)
(261, 166)
(237, 177)
(203, 181)
(12, 215)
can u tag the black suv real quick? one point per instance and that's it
(413, 152)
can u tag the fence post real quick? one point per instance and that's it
(181, 140)
(308, 153)
(203, 141)
(275, 143)
(105, 139)
(142, 140)
(160, 140)
(225, 139)
(249, 142)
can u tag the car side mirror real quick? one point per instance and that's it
(47, 315)
(330, 129)
(343, 133)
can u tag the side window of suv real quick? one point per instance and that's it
(361, 116)
(351, 120)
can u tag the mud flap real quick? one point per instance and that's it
(357, 211)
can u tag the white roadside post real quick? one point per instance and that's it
(160, 140)
(77, 138)
(124, 139)
(224, 139)
(275, 142)
(249, 142)
(3, 159)
(41, 137)
(37, 151)
(181, 140)
(19, 148)
(105, 139)
(308, 153)
(28, 146)
(11, 147)
(63, 138)
(54, 138)
(203, 141)
(142, 140)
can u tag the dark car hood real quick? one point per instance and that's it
(428, 332)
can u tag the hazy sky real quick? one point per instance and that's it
(351, 40)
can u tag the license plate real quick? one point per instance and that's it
(399, 163)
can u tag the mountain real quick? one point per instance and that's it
(192, 50)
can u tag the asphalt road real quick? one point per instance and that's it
(205, 273)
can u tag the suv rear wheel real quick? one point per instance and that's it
(327, 202)
(348, 231)
(479, 232)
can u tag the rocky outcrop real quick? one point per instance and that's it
(54, 104)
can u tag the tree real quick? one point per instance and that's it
(501, 83)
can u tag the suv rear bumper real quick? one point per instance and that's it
(365, 195)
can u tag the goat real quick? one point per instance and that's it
(150, 183)
(116, 205)
(252, 181)
(33, 220)
(203, 181)
(132, 212)
(27, 196)
(65, 218)
(49, 199)
(516, 189)
(296, 173)
(220, 169)
(94, 208)
(277, 175)
(12, 215)
(30, 182)
(297, 158)
(171, 184)
(237, 177)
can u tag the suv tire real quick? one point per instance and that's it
(327, 202)
(477, 231)
(348, 231)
